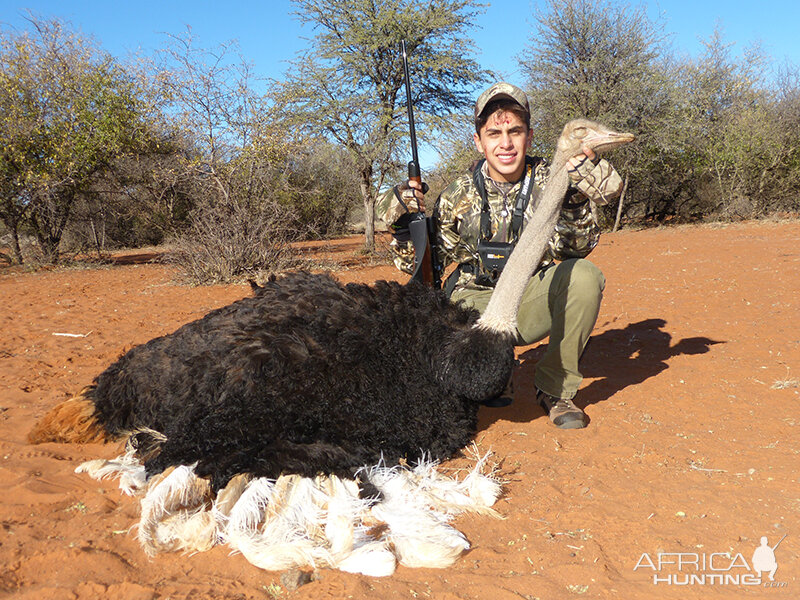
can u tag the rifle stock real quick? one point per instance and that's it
(423, 261)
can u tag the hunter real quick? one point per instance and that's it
(486, 209)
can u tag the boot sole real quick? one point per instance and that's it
(570, 424)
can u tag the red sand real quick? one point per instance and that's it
(692, 387)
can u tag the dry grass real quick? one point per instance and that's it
(785, 384)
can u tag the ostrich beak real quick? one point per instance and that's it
(603, 140)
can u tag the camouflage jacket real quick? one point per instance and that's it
(458, 210)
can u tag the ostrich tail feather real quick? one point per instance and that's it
(372, 558)
(127, 468)
(73, 421)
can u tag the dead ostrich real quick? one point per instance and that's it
(310, 377)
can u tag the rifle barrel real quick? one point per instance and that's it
(412, 131)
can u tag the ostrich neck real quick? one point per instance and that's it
(501, 313)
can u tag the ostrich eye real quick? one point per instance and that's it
(579, 132)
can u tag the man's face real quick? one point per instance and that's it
(504, 140)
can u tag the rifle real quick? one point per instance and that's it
(421, 227)
(779, 542)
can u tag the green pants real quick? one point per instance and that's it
(561, 301)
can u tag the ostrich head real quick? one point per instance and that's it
(581, 135)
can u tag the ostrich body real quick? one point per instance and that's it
(309, 376)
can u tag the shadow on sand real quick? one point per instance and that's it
(616, 359)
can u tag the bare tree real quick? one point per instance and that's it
(256, 184)
(744, 137)
(605, 61)
(589, 58)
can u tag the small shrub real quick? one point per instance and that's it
(231, 241)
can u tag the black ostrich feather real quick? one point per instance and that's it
(309, 376)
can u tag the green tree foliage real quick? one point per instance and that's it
(141, 200)
(318, 186)
(743, 133)
(714, 137)
(67, 111)
(604, 61)
(349, 84)
(94, 154)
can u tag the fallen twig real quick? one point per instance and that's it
(75, 335)
(707, 470)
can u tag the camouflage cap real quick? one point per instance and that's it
(499, 91)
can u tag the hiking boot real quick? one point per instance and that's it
(562, 412)
(504, 399)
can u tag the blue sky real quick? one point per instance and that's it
(269, 35)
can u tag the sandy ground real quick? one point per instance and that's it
(692, 385)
